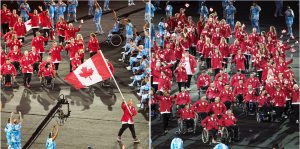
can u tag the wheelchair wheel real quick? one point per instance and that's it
(195, 122)
(116, 40)
(52, 83)
(180, 126)
(258, 117)
(224, 133)
(205, 136)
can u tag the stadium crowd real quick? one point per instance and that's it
(232, 68)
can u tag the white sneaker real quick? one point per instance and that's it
(120, 60)
(297, 121)
(129, 4)
(128, 68)
(139, 94)
(122, 53)
(131, 84)
(119, 139)
(138, 105)
(108, 9)
(188, 89)
(132, 4)
(131, 78)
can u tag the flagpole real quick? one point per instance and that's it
(112, 75)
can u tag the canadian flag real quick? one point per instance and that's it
(28, 25)
(92, 71)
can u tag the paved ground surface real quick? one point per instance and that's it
(252, 134)
(95, 116)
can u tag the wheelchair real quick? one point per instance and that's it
(181, 125)
(116, 38)
(222, 134)
(50, 85)
(251, 110)
(229, 135)
(3, 81)
(265, 115)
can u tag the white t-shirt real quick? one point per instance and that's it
(187, 66)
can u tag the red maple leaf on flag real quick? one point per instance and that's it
(85, 72)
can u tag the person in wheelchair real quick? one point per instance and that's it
(238, 92)
(47, 74)
(8, 73)
(250, 99)
(217, 107)
(226, 96)
(187, 115)
(135, 58)
(138, 78)
(279, 102)
(200, 107)
(203, 81)
(264, 104)
(183, 98)
(211, 124)
(128, 48)
(117, 28)
(229, 121)
(141, 67)
(15, 56)
(211, 93)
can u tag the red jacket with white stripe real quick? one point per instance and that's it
(210, 123)
(226, 95)
(203, 80)
(186, 114)
(46, 72)
(26, 64)
(38, 43)
(181, 75)
(165, 103)
(216, 108)
(279, 98)
(55, 54)
(228, 120)
(71, 32)
(35, 19)
(45, 20)
(128, 114)
(8, 69)
(13, 19)
(249, 96)
(200, 106)
(34, 56)
(20, 29)
(93, 45)
(14, 57)
(183, 98)
(60, 28)
(4, 16)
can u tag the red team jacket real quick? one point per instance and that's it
(26, 64)
(183, 98)
(186, 114)
(8, 69)
(127, 118)
(203, 80)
